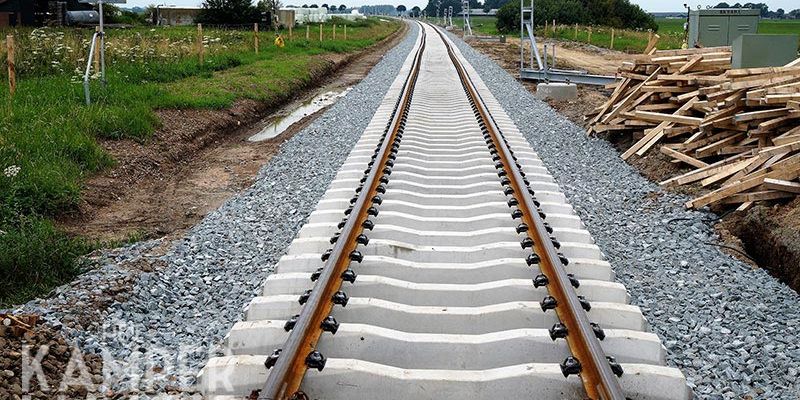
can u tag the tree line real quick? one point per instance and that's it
(614, 13)
(765, 12)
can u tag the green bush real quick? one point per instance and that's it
(222, 12)
(508, 18)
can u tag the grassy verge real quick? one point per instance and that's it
(48, 136)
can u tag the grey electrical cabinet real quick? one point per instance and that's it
(720, 26)
(753, 51)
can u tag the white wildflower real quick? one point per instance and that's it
(11, 171)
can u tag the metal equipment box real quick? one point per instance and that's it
(753, 51)
(720, 26)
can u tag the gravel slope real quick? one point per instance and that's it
(731, 329)
(175, 316)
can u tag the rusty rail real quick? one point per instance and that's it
(289, 364)
(589, 360)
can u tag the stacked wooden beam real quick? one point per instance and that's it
(740, 128)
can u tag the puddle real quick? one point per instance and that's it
(281, 123)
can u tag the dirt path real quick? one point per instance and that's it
(569, 55)
(197, 160)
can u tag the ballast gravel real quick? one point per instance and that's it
(733, 330)
(164, 330)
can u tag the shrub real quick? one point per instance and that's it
(508, 18)
(223, 12)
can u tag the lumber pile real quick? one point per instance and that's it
(739, 128)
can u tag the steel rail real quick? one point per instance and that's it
(290, 365)
(596, 373)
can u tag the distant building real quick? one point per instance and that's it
(286, 17)
(37, 12)
(175, 15)
(479, 12)
(298, 15)
(17, 12)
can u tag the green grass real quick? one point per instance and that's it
(480, 25)
(784, 26)
(670, 31)
(768, 26)
(48, 132)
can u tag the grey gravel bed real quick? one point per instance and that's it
(177, 315)
(731, 329)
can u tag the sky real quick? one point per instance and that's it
(648, 5)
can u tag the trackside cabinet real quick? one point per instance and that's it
(720, 26)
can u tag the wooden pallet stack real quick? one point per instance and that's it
(740, 128)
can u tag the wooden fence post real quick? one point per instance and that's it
(97, 51)
(649, 35)
(589, 36)
(545, 28)
(345, 32)
(576, 32)
(320, 32)
(612, 38)
(308, 32)
(255, 36)
(334, 31)
(12, 69)
(200, 49)
(554, 27)
(290, 32)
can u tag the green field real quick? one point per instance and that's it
(768, 26)
(48, 135)
(670, 31)
(480, 25)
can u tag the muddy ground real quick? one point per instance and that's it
(767, 235)
(197, 159)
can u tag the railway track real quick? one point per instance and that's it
(451, 267)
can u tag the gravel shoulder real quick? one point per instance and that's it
(157, 335)
(732, 329)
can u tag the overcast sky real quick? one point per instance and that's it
(648, 5)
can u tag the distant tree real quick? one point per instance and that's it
(493, 4)
(433, 6)
(271, 6)
(758, 6)
(305, 6)
(794, 14)
(618, 14)
(780, 13)
(722, 5)
(415, 11)
(401, 9)
(614, 13)
(380, 9)
(313, 6)
(228, 12)
(508, 18)
(324, 6)
(342, 8)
